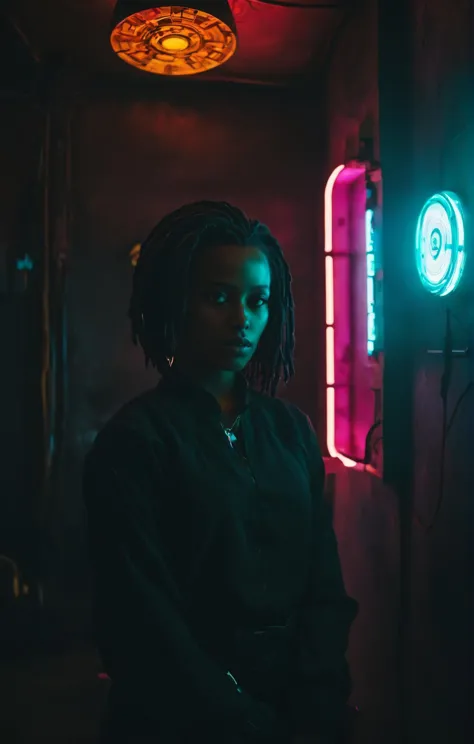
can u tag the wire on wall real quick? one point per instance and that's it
(447, 421)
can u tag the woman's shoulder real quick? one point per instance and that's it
(138, 420)
(280, 407)
(286, 415)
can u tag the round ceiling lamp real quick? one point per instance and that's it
(174, 39)
(440, 243)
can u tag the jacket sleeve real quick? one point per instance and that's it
(142, 636)
(322, 683)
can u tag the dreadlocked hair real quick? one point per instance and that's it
(158, 305)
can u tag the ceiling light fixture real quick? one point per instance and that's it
(173, 39)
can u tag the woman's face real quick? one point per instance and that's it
(227, 308)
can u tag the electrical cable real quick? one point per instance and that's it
(444, 391)
(446, 424)
(467, 389)
(369, 446)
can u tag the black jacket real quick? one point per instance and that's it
(207, 562)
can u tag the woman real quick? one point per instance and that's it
(220, 610)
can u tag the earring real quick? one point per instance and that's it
(170, 361)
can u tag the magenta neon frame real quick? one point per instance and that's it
(330, 338)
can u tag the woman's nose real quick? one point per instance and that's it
(241, 316)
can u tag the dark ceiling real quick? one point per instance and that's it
(277, 43)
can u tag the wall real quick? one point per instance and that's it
(442, 631)
(352, 84)
(365, 510)
(427, 143)
(367, 528)
(21, 132)
(134, 160)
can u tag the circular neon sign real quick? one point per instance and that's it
(440, 243)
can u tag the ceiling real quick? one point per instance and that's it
(277, 43)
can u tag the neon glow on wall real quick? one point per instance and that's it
(440, 243)
(352, 304)
(330, 355)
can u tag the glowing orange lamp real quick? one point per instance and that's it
(174, 39)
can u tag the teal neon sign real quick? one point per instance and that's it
(440, 243)
(370, 260)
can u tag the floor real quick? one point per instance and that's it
(50, 691)
(52, 697)
(56, 698)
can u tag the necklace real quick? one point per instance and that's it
(229, 431)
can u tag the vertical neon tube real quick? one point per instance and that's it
(330, 348)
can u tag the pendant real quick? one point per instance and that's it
(230, 437)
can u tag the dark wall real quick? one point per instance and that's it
(352, 84)
(134, 160)
(21, 225)
(442, 587)
(426, 144)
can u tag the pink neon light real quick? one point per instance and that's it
(330, 370)
(330, 354)
(329, 290)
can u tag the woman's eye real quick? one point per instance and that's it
(217, 297)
